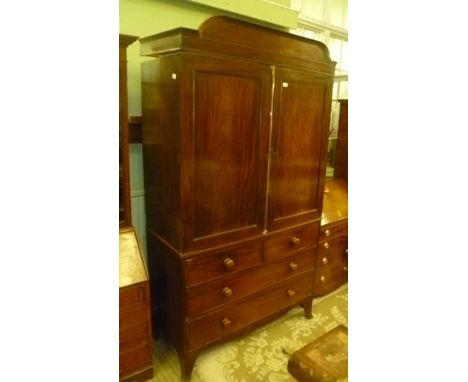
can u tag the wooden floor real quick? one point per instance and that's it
(166, 367)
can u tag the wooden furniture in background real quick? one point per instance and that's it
(332, 259)
(135, 339)
(341, 157)
(125, 215)
(235, 128)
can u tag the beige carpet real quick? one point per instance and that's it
(259, 355)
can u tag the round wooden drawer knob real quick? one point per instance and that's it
(228, 263)
(295, 241)
(327, 232)
(326, 245)
(345, 269)
(226, 322)
(293, 266)
(322, 279)
(290, 293)
(346, 251)
(227, 291)
(324, 261)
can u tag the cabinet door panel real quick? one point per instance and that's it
(225, 174)
(300, 125)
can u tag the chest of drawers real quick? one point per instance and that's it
(332, 256)
(135, 332)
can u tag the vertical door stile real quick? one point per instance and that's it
(269, 154)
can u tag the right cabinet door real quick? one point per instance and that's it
(301, 115)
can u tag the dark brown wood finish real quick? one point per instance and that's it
(224, 171)
(302, 102)
(125, 217)
(341, 158)
(135, 330)
(332, 257)
(135, 132)
(234, 171)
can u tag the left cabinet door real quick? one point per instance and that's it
(225, 129)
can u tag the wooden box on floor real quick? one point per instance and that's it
(135, 339)
(323, 360)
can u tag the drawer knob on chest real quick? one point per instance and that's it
(228, 263)
(290, 293)
(327, 232)
(326, 245)
(324, 261)
(322, 279)
(226, 322)
(295, 241)
(292, 266)
(346, 251)
(227, 291)
(345, 269)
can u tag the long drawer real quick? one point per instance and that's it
(204, 267)
(235, 316)
(133, 295)
(332, 250)
(135, 360)
(133, 337)
(331, 230)
(278, 245)
(133, 315)
(207, 296)
(330, 277)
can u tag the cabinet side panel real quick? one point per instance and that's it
(161, 146)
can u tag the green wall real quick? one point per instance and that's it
(144, 18)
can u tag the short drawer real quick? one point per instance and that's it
(331, 230)
(135, 336)
(133, 295)
(208, 266)
(282, 244)
(134, 360)
(133, 316)
(210, 295)
(331, 251)
(234, 317)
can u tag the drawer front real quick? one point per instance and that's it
(284, 243)
(134, 360)
(133, 295)
(133, 337)
(204, 267)
(204, 297)
(330, 277)
(234, 317)
(331, 230)
(331, 251)
(135, 315)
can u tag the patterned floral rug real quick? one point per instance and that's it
(259, 356)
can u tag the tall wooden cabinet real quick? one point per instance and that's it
(235, 123)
